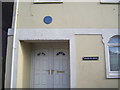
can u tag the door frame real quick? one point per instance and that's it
(47, 44)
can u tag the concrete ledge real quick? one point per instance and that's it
(10, 32)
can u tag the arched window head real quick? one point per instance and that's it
(114, 53)
(115, 39)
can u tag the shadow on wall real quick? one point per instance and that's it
(7, 13)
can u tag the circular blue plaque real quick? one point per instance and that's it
(47, 19)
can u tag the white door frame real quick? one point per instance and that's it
(47, 44)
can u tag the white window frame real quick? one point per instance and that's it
(110, 1)
(111, 74)
(47, 1)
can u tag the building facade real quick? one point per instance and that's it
(63, 44)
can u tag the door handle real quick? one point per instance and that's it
(50, 72)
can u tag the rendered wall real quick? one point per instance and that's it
(8, 61)
(24, 63)
(91, 74)
(71, 15)
(68, 15)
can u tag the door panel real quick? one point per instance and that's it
(48, 59)
(61, 67)
(42, 60)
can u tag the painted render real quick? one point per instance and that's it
(91, 74)
(67, 15)
(8, 61)
(24, 60)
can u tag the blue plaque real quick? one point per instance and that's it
(47, 19)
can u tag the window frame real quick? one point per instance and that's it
(111, 74)
(46, 1)
(110, 1)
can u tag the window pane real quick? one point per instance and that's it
(114, 58)
(115, 39)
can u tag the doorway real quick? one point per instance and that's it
(50, 65)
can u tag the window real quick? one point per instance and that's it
(48, 1)
(114, 56)
(110, 1)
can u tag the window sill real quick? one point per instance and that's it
(48, 1)
(113, 75)
(110, 1)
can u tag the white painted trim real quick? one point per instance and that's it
(61, 34)
(14, 13)
(47, 1)
(110, 1)
(111, 74)
(13, 81)
(73, 64)
(113, 44)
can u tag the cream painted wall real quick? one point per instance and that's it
(8, 61)
(91, 74)
(24, 63)
(68, 15)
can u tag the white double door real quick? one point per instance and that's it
(51, 68)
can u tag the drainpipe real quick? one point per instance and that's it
(14, 25)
